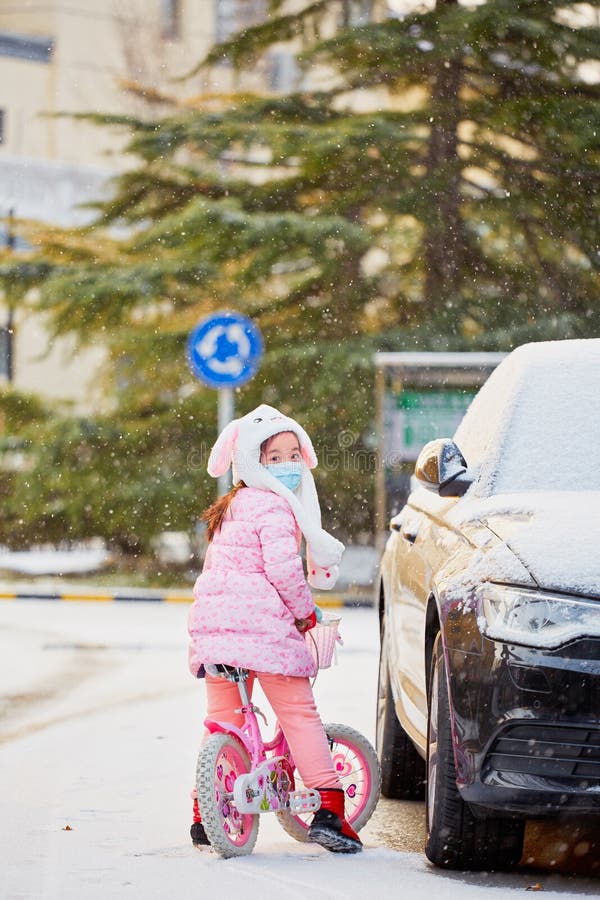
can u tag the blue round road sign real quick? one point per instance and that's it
(224, 350)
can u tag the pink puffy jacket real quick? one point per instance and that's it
(251, 590)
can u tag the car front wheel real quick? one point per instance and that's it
(455, 838)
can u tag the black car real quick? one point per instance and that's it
(489, 604)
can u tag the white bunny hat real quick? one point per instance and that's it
(238, 446)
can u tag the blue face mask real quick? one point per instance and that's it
(288, 473)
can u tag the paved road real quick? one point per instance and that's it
(568, 846)
(98, 730)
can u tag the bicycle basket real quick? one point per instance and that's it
(322, 640)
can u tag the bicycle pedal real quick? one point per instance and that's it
(304, 800)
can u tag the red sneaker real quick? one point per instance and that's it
(329, 827)
(198, 835)
(197, 832)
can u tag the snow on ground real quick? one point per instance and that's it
(41, 561)
(99, 732)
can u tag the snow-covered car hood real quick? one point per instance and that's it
(555, 535)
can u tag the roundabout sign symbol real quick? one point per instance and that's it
(224, 350)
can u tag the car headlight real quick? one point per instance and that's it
(539, 619)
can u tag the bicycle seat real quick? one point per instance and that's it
(231, 673)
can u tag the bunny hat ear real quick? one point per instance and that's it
(309, 456)
(306, 448)
(222, 452)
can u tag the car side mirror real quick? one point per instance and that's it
(442, 468)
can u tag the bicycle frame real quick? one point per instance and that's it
(239, 776)
(250, 734)
(269, 787)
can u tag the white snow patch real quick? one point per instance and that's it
(53, 562)
(555, 535)
(541, 410)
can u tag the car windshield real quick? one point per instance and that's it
(558, 455)
(535, 426)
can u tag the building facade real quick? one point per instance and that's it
(81, 56)
(63, 57)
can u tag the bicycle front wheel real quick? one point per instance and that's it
(355, 761)
(221, 760)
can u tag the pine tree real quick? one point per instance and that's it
(432, 182)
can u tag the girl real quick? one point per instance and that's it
(252, 601)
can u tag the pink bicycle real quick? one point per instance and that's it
(239, 777)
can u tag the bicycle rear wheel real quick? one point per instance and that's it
(357, 766)
(221, 760)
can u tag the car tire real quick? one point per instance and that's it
(455, 838)
(402, 769)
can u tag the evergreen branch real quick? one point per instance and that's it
(108, 119)
(249, 43)
(79, 299)
(209, 221)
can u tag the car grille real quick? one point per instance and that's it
(569, 755)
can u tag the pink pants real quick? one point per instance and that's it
(294, 705)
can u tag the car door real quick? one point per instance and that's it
(406, 633)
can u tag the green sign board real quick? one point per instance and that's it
(412, 418)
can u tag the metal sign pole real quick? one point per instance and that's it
(226, 414)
